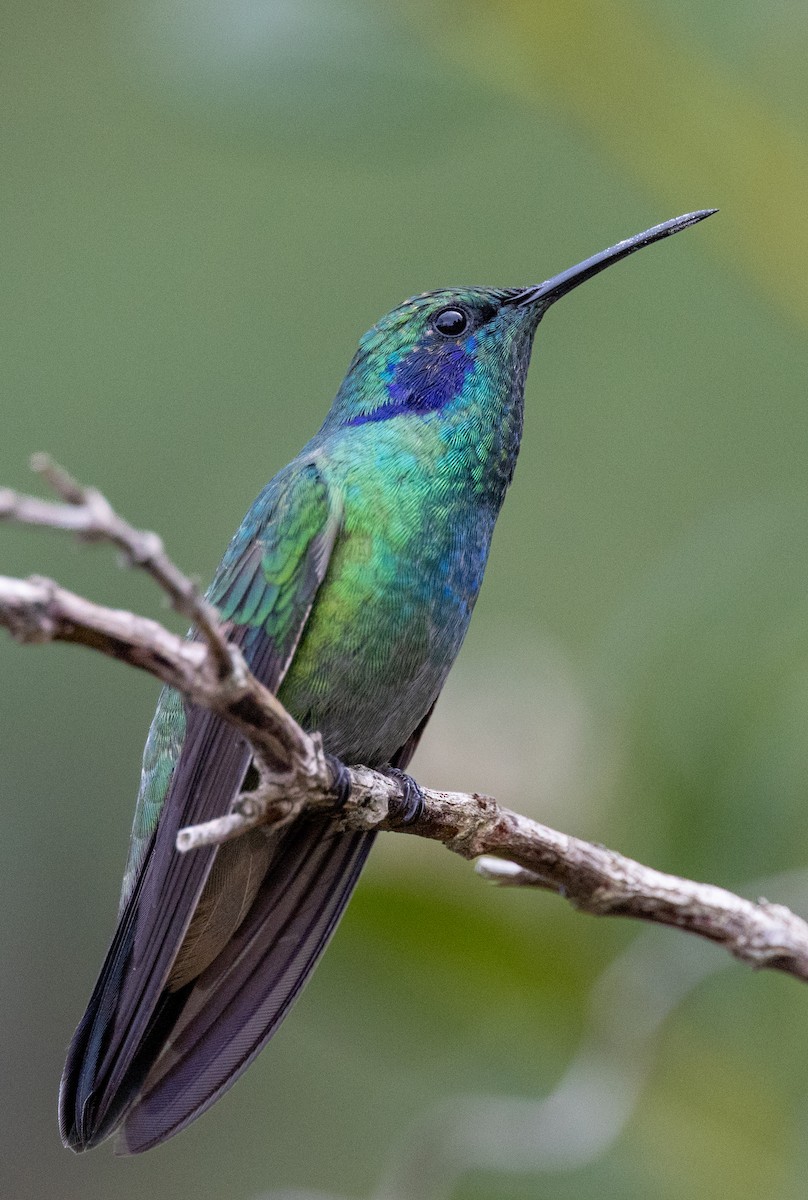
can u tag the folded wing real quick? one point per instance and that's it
(213, 946)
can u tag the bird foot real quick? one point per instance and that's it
(412, 803)
(410, 807)
(341, 779)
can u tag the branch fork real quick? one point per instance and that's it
(293, 774)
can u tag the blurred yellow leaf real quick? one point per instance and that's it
(657, 103)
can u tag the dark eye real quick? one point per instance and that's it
(450, 322)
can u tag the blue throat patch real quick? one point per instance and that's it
(423, 381)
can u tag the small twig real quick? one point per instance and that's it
(270, 803)
(61, 481)
(39, 610)
(294, 775)
(87, 513)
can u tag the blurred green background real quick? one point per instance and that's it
(204, 204)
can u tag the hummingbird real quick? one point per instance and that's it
(348, 588)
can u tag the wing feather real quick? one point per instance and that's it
(148, 994)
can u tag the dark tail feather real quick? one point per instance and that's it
(232, 1009)
(77, 1091)
(89, 1134)
(83, 1122)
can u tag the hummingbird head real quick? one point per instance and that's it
(442, 351)
(432, 352)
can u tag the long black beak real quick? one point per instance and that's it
(545, 294)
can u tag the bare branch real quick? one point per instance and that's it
(294, 776)
(38, 610)
(87, 513)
